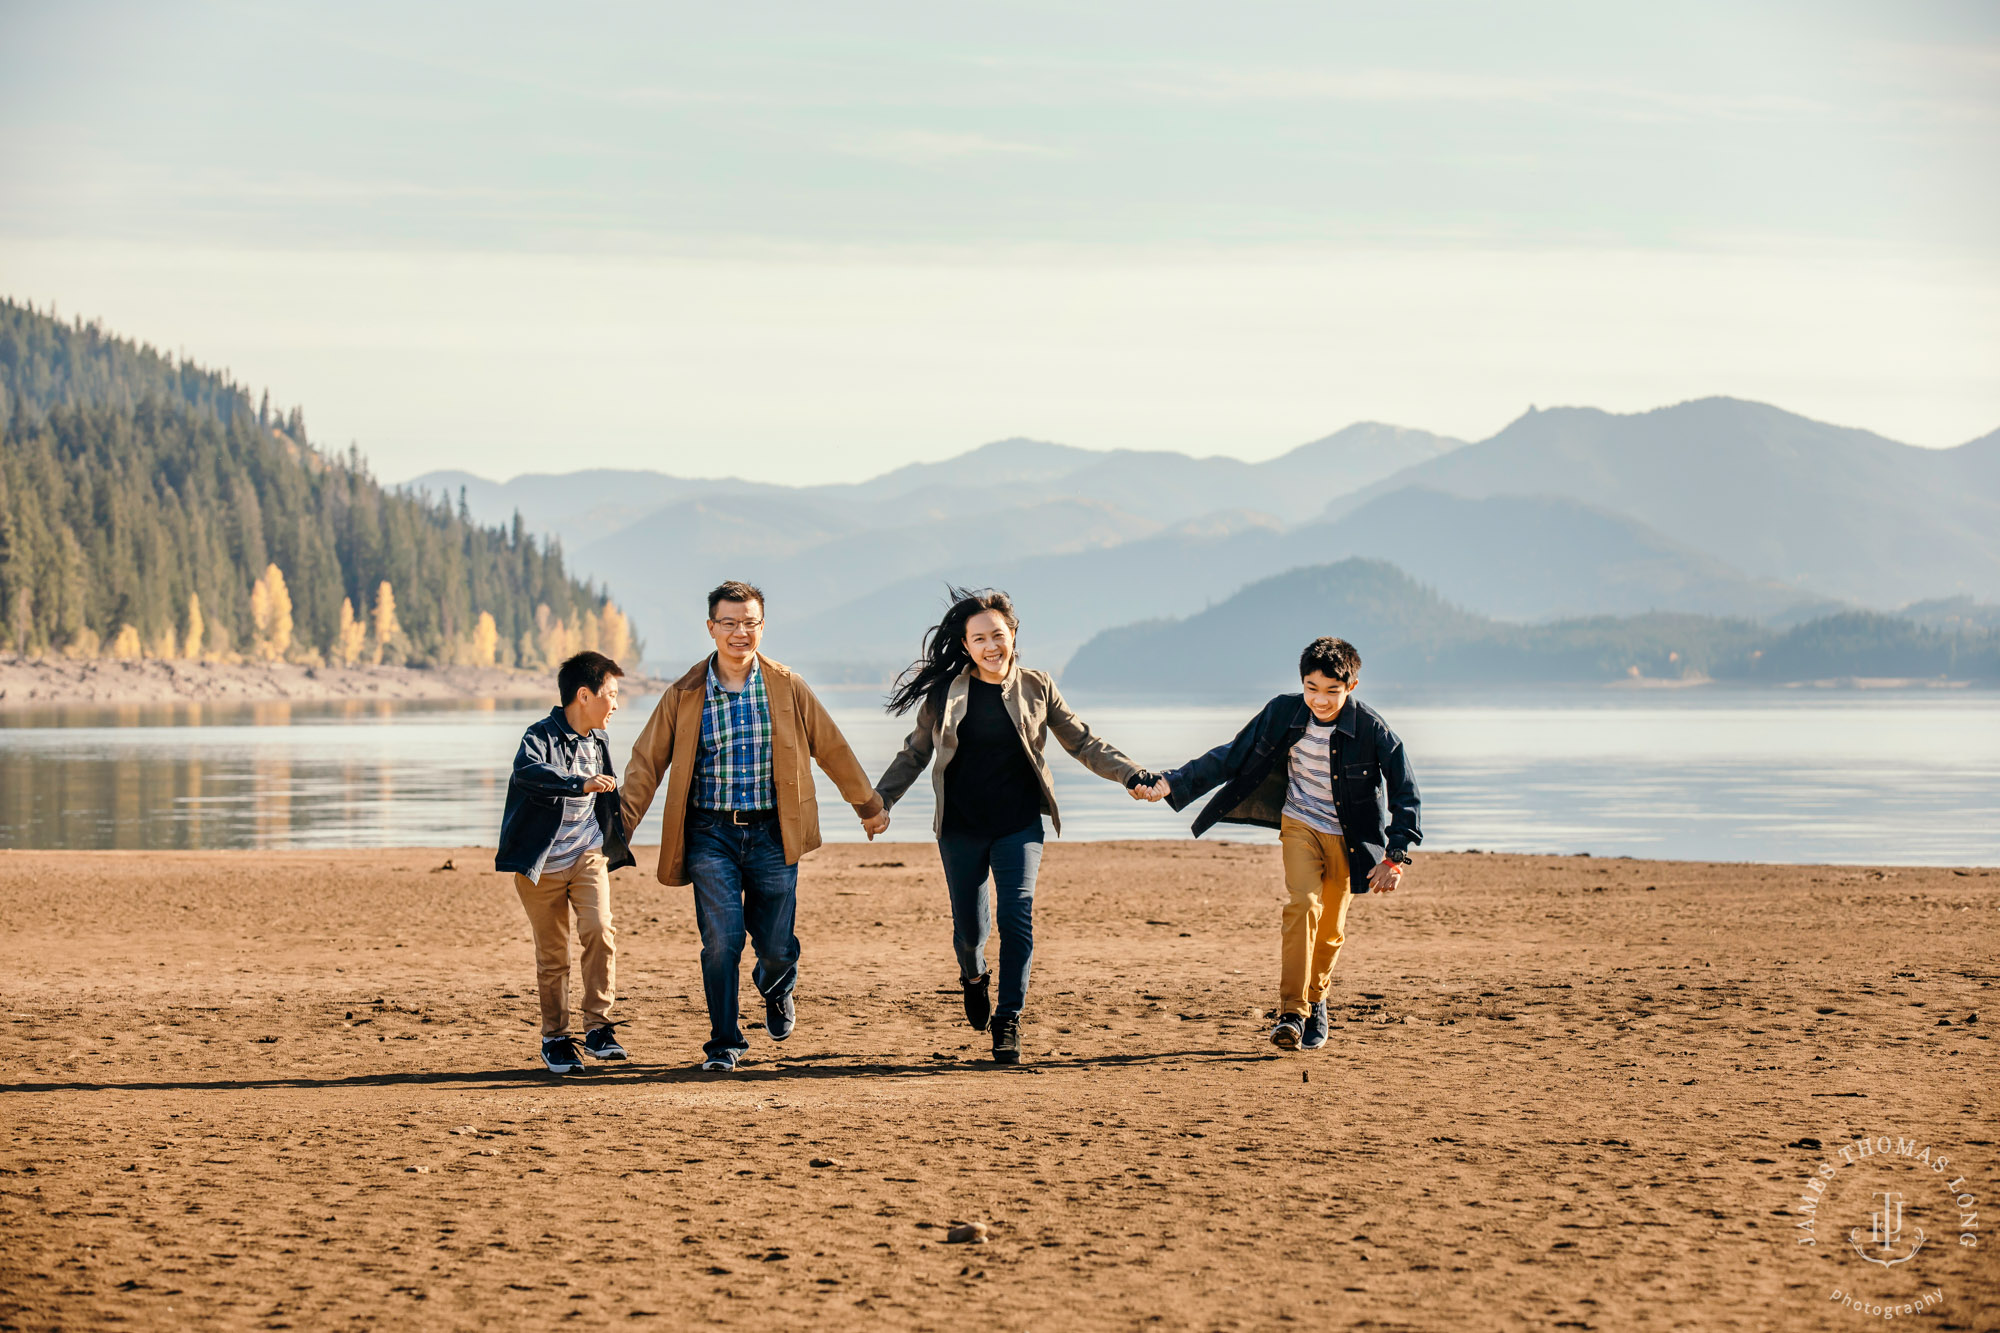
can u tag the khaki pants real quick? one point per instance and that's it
(1316, 916)
(586, 887)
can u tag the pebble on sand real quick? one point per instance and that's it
(966, 1233)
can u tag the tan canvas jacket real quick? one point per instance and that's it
(801, 732)
(1036, 706)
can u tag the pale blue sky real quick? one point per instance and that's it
(800, 240)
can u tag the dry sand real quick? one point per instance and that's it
(43, 682)
(297, 1090)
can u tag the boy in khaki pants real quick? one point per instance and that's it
(562, 835)
(1323, 769)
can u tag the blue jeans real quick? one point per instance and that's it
(1013, 862)
(742, 886)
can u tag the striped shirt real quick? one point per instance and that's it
(580, 832)
(732, 762)
(1309, 793)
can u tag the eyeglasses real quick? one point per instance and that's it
(731, 626)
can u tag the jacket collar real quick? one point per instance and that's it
(1344, 722)
(696, 676)
(958, 697)
(560, 721)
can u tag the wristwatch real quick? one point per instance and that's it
(1397, 854)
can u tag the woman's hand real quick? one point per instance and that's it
(874, 824)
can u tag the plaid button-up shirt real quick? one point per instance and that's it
(732, 764)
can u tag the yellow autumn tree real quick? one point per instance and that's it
(485, 646)
(125, 645)
(166, 645)
(386, 627)
(271, 614)
(191, 645)
(556, 640)
(350, 639)
(614, 633)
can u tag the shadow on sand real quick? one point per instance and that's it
(631, 1072)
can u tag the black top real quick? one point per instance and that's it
(990, 789)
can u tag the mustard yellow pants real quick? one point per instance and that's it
(1315, 917)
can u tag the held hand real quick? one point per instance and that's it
(878, 823)
(598, 784)
(1160, 790)
(1385, 876)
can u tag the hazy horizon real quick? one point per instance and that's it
(793, 245)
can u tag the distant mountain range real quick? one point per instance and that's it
(1843, 512)
(1718, 508)
(1407, 635)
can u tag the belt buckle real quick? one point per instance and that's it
(736, 818)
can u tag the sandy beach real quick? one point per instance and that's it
(297, 1090)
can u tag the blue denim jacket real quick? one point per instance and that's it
(543, 777)
(1372, 779)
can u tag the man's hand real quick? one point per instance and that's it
(1385, 876)
(878, 823)
(599, 783)
(1159, 791)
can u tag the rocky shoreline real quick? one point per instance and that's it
(31, 682)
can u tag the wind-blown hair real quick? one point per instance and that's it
(944, 655)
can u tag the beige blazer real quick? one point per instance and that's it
(1036, 706)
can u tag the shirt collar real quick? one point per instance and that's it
(750, 682)
(561, 718)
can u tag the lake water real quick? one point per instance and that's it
(1880, 777)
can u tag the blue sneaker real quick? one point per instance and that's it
(559, 1054)
(724, 1063)
(601, 1043)
(1285, 1036)
(1314, 1035)
(780, 1015)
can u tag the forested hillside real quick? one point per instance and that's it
(150, 508)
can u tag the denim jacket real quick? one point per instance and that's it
(1372, 778)
(541, 781)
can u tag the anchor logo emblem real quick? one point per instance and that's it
(1885, 1232)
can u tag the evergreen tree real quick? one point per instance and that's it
(137, 491)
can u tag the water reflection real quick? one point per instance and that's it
(1911, 778)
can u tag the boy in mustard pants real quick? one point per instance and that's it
(1326, 771)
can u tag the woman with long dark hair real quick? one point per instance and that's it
(982, 723)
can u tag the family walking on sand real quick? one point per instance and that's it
(728, 750)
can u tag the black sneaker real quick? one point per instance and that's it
(720, 1064)
(1007, 1039)
(978, 1001)
(1314, 1034)
(560, 1055)
(780, 1015)
(1286, 1035)
(601, 1043)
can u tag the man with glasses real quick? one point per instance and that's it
(731, 739)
